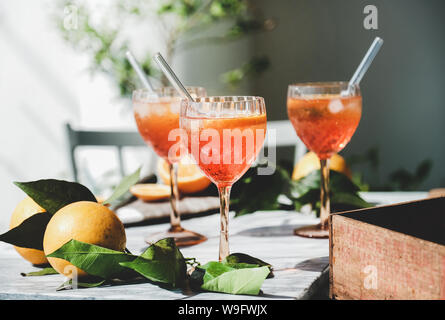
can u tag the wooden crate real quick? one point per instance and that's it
(389, 252)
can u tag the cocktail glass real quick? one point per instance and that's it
(325, 116)
(224, 136)
(157, 114)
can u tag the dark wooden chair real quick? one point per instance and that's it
(284, 133)
(117, 139)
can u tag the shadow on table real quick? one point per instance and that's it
(274, 231)
(315, 264)
(319, 290)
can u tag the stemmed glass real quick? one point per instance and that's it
(224, 136)
(325, 116)
(157, 114)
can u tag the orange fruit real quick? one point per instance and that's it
(150, 191)
(84, 221)
(25, 209)
(101, 200)
(190, 177)
(310, 162)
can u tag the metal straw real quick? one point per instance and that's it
(366, 62)
(147, 84)
(171, 76)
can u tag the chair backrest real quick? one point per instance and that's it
(118, 139)
(285, 136)
(281, 132)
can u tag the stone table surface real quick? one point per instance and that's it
(299, 264)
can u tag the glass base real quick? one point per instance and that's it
(314, 231)
(182, 237)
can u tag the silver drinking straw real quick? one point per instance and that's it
(171, 76)
(366, 62)
(147, 84)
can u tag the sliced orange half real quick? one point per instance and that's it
(150, 191)
(309, 162)
(190, 177)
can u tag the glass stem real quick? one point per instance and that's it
(224, 197)
(324, 194)
(175, 218)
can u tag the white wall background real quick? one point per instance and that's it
(43, 84)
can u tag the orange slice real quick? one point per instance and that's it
(150, 191)
(190, 177)
(309, 162)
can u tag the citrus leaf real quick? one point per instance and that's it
(242, 258)
(123, 186)
(52, 194)
(68, 285)
(43, 272)
(197, 278)
(28, 234)
(231, 275)
(161, 262)
(235, 281)
(349, 199)
(208, 272)
(215, 269)
(241, 261)
(340, 182)
(94, 260)
(265, 189)
(343, 192)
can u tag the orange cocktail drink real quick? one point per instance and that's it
(234, 145)
(325, 123)
(325, 116)
(155, 120)
(157, 115)
(224, 136)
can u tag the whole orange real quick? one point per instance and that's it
(190, 177)
(25, 209)
(84, 221)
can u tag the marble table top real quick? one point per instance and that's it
(300, 264)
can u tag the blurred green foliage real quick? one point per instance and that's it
(398, 180)
(255, 66)
(255, 192)
(183, 22)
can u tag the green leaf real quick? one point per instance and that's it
(123, 186)
(234, 281)
(68, 285)
(94, 260)
(52, 194)
(349, 199)
(215, 269)
(242, 260)
(343, 192)
(161, 262)
(239, 273)
(197, 278)
(210, 271)
(43, 272)
(253, 68)
(305, 184)
(265, 189)
(237, 259)
(29, 234)
(341, 183)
